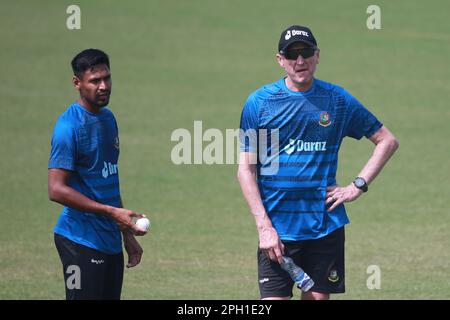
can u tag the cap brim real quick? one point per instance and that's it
(291, 41)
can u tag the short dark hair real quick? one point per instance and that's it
(86, 59)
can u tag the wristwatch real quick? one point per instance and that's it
(360, 183)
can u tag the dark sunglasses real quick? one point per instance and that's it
(292, 54)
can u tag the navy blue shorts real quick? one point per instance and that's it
(322, 259)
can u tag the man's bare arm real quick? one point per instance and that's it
(60, 191)
(385, 146)
(269, 241)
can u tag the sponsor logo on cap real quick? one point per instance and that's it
(288, 35)
(293, 33)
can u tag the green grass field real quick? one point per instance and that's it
(174, 62)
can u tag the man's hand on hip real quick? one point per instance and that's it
(337, 195)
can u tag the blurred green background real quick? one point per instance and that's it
(174, 62)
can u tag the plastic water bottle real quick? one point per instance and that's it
(301, 279)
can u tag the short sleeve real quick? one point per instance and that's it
(249, 127)
(63, 147)
(361, 122)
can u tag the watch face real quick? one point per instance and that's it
(359, 182)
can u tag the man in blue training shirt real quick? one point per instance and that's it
(83, 176)
(298, 208)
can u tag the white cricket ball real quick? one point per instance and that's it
(143, 223)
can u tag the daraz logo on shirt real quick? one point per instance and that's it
(109, 169)
(300, 145)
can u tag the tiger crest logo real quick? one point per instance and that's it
(333, 276)
(324, 119)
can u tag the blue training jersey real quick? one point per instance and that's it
(88, 145)
(311, 126)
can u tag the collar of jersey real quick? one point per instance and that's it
(299, 93)
(87, 111)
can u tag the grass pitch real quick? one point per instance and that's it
(174, 62)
